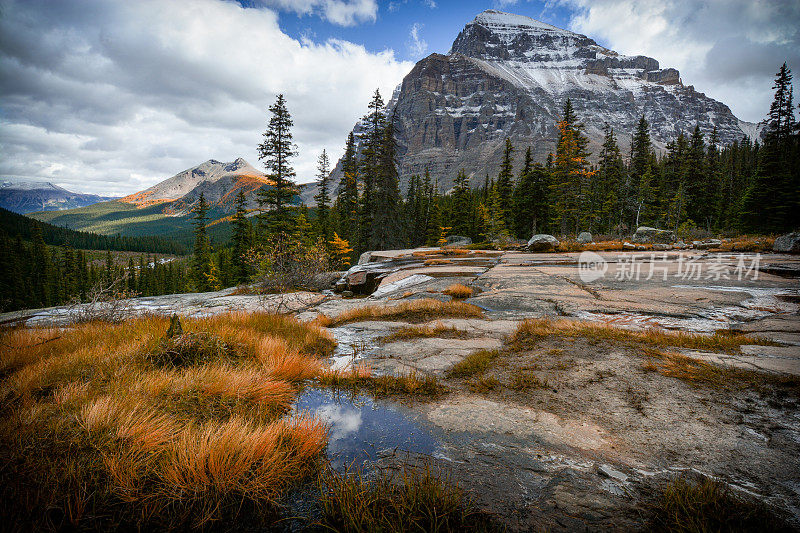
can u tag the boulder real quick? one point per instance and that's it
(645, 234)
(584, 237)
(787, 244)
(325, 280)
(708, 244)
(365, 258)
(542, 243)
(458, 240)
(661, 247)
(628, 246)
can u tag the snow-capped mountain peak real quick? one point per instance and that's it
(502, 22)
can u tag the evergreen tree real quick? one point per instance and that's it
(374, 123)
(570, 173)
(323, 197)
(461, 204)
(781, 123)
(347, 201)
(242, 240)
(276, 151)
(641, 153)
(530, 199)
(387, 232)
(202, 264)
(433, 225)
(771, 201)
(610, 182)
(41, 270)
(505, 184)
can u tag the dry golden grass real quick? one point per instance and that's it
(458, 291)
(361, 378)
(531, 331)
(748, 243)
(423, 310)
(152, 431)
(654, 346)
(437, 330)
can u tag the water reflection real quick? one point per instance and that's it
(362, 430)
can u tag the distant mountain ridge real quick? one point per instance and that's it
(219, 182)
(24, 196)
(166, 207)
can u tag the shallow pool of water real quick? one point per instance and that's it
(362, 430)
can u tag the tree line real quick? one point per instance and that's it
(12, 224)
(695, 185)
(34, 274)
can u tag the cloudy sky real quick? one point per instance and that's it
(112, 96)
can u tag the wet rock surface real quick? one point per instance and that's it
(581, 446)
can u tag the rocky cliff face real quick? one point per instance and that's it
(509, 76)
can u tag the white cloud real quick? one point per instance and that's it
(417, 46)
(431, 4)
(501, 4)
(729, 49)
(111, 97)
(341, 12)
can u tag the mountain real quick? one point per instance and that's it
(219, 182)
(509, 76)
(166, 208)
(29, 196)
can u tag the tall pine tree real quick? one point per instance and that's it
(276, 151)
(323, 198)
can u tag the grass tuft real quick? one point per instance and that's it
(423, 310)
(689, 506)
(190, 349)
(474, 363)
(531, 331)
(483, 384)
(458, 291)
(438, 330)
(524, 379)
(413, 500)
(361, 378)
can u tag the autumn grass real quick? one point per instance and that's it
(475, 363)
(411, 500)
(532, 331)
(656, 347)
(422, 310)
(748, 243)
(525, 379)
(360, 378)
(115, 426)
(688, 505)
(458, 291)
(437, 330)
(484, 384)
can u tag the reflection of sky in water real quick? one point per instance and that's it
(360, 428)
(354, 344)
